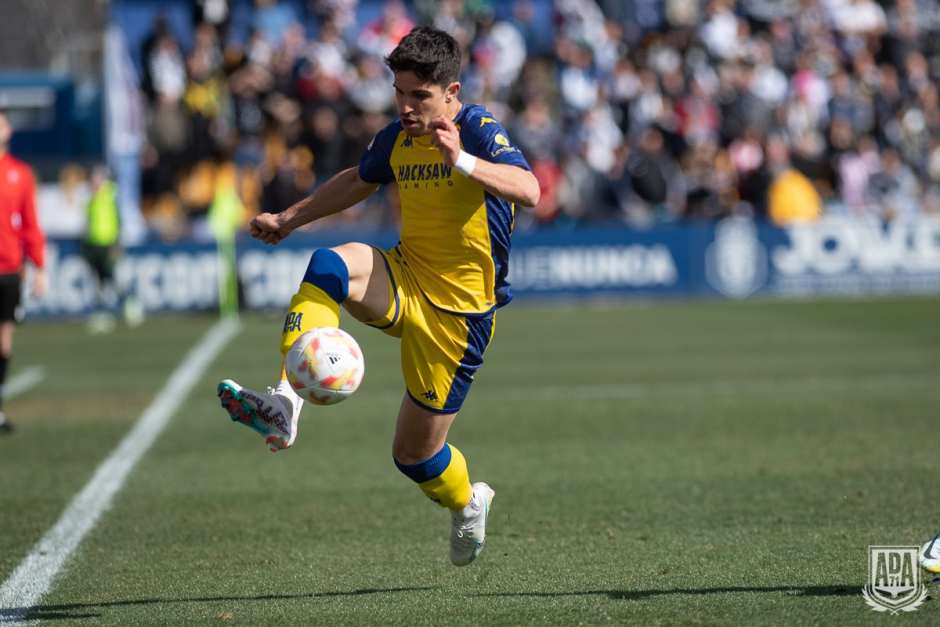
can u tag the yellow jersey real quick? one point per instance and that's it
(455, 236)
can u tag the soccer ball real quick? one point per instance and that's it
(325, 365)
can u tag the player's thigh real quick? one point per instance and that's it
(419, 432)
(369, 283)
(440, 354)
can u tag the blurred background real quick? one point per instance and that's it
(683, 146)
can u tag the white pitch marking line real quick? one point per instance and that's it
(23, 381)
(34, 577)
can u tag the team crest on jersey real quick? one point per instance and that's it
(501, 139)
(293, 321)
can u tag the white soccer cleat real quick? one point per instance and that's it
(468, 526)
(929, 556)
(274, 414)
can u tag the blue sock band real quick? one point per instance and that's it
(328, 271)
(429, 468)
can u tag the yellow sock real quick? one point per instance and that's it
(443, 478)
(310, 307)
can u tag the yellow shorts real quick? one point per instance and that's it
(440, 350)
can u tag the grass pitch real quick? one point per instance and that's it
(707, 463)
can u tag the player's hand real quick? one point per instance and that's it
(268, 228)
(446, 137)
(40, 283)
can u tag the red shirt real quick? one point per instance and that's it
(19, 228)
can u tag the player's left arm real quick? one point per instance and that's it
(508, 181)
(34, 240)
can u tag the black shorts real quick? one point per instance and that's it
(9, 296)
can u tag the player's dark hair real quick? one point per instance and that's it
(433, 56)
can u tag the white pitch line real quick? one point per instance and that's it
(36, 573)
(23, 381)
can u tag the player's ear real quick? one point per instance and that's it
(452, 91)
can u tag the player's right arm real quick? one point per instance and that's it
(340, 192)
(344, 190)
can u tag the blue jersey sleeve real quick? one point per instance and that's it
(375, 165)
(484, 137)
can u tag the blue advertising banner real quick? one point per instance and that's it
(735, 258)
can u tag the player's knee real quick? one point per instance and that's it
(443, 476)
(328, 271)
(359, 261)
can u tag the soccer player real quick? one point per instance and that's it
(101, 248)
(19, 234)
(459, 178)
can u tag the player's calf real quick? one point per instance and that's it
(443, 477)
(275, 413)
(445, 480)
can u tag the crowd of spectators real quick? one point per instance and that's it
(638, 112)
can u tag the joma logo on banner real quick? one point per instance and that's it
(894, 579)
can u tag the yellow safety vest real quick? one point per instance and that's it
(104, 225)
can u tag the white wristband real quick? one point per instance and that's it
(465, 163)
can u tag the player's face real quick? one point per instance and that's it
(419, 102)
